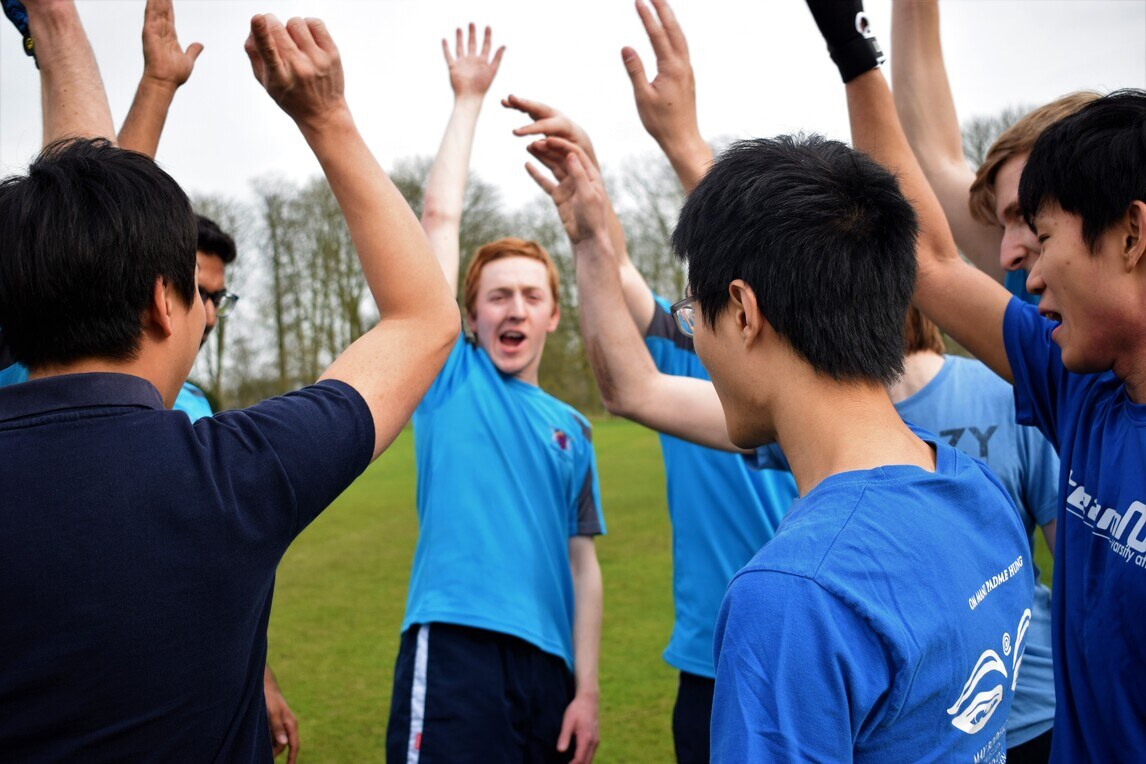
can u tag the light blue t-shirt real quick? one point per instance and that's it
(506, 475)
(1100, 545)
(973, 409)
(193, 402)
(885, 621)
(721, 512)
(13, 374)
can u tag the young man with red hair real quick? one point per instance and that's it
(498, 658)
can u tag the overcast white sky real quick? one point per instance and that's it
(761, 69)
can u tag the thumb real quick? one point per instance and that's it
(635, 69)
(193, 51)
(566, 733)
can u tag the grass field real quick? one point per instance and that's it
(341, 593)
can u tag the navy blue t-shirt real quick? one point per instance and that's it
(138, 553)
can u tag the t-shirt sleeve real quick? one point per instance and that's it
(1040, 466)
(453, 373)
(1036, 364)
(585, 516)
(799, 676)
(284, 460)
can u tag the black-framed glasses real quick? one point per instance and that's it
(684, 313)
(224, 301)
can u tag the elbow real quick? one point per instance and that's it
(437, 215)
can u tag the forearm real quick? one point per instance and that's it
(446, 185)
(144, 122)
(587, 609)
(72, 93)
(396, 259)
(926, 110)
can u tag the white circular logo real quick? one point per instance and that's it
(1006, 644)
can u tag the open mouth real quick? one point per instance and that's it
(1051, 315)
(511, 339)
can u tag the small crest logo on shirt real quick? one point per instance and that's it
(560, 439)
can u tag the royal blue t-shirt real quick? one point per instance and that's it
(1100, 547)
(506, 475)
(884, 622)
(138, 554)
(1016, 284)
(973, 409)
(721, 512)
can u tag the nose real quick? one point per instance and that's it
(517, 305)
(1035, 282)
(1019, 248)
(211, 312)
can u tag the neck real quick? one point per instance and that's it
(826, 428)
(919, 369)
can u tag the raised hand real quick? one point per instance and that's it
(667, 105)
(164, 59)
(471, 71)
(300, 68)
(579, 193)
(549, 122)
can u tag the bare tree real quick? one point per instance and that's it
(980, 132)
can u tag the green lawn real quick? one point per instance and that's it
(341, 593)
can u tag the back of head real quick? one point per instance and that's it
(213, 241)
(1016, 140)
(500, 249)
(1091, 164)
(824, 237)
(83, 238)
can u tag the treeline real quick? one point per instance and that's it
(303, 298)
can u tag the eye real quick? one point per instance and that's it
(1042, 238)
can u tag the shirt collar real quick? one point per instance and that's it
(74, 391)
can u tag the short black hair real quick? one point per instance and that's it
(83, 237)
(212, 240)
(824, 237)
(1091, 164)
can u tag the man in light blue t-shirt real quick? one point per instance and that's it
(498, 655)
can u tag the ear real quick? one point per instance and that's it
(161, 309)
(746, 315)
(554, 319)
(1134, 245)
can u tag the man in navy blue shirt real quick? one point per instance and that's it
(138, 549)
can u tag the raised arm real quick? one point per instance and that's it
(962, 300)
(471, 73)
(393, 364)
(71, 91)
(166, 66)
(630, 384)
(549, 122)
(927, 112)
(667, 105)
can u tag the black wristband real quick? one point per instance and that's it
(857, 56)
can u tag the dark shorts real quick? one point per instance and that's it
(470, 695)
(691, 718)
(1035, 751)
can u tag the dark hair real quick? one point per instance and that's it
(212, 240)
(1091, 164)
(83, 237)
(824, 237)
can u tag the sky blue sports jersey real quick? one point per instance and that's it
(721, 512)
(1100, 551)
(506, 475)
(886, 621)
(193, 402)
(13, 374)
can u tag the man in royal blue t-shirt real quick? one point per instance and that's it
(1077, 363)
(885, 620)
(498, 656)
(139, 549)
